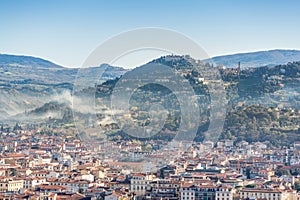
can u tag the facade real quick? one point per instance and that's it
(140, 182)
(270, 194)
(224, 193)
(206, 192)
(163, 189)
(11, 185)
(31, 183)
(71, 185)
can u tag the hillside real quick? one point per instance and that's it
(258, 59)
(26, 61)
(31, 70)
(27, 82)
(263, 103)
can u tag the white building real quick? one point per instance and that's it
(139, 183)
(270, 194)
(31, 183)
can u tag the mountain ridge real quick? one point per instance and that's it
(258, 58)
(23, 68)
(23, 60)
(248, 59)
(267, 98)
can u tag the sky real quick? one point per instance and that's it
(67, 31)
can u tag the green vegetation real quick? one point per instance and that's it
(263, 107)
(263, 103)
(297, 186)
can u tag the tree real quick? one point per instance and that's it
(248, 170)
(14, 172)
(148, 147)
(250, 186)
(297, 186)
(80, 190)
(281, 172)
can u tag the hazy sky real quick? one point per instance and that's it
(66, 31)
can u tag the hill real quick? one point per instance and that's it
(26, 61)
(28, 82)
(32, 70)
(264, 102)
(258, 59)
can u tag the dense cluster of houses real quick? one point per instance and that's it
(44, 166)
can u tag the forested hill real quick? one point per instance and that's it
(263, 103)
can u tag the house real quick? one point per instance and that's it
(139, 183)
(11, 184)
(270, 194)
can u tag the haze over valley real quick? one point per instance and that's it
(35, 90)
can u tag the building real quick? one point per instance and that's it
(224, 192)
(163, 189)
(199, 192)
(270, 194)
(8, 184)
(139, 183)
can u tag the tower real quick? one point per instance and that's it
(238, 71)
